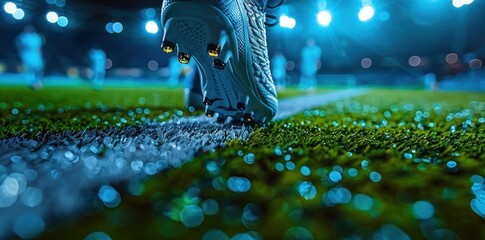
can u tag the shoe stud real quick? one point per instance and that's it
(184, 58)
(241, 106)
(218, 64)
(210, 113)
(168, 46)
(213, 50)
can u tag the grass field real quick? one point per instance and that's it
(391, 164)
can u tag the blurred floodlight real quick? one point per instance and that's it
(366, 63)
(52, 17)
(109, 27)
(366, 13)
(466, 2)
(458, 3)
(151, 27)
(324, 18)
(10, 7)
(414, 61)
(117, 27)
(451, 58)
(19, 14)
(287, 22)
(62, 21)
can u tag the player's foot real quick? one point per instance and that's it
(227, 38)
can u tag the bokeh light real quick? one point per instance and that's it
(451, 58)
(151, 27)
(287, 22)
(52, 17)
(62, 21)
(19, 14)
(414, 61)
(366, 13)
(366, 63)
(117, 27)
(324, 18)
(10, 7)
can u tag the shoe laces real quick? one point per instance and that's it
(271, 19)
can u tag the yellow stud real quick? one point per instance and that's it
(213, 50)
(168, 46)
(184, 58)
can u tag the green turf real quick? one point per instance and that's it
(409, 150)
(54, 109)
(406, 137)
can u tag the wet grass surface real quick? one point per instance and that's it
(386, 165)
(55, 109)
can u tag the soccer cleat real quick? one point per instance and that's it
(227, 38)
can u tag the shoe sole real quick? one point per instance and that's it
(202, 31)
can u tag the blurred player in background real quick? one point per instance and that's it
(278, 70)
(310, 62)
(97, 59)
(29, 44)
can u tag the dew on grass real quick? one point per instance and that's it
(28, 226)
(408, 155)
(109, 196)
(335, 176)
(215, 234)
(249, 158)
(238, 184)
(423, 210)
(210, 207)
(336, 196)
(97, 236)
(150, 169)
(31, 197)
(477, 179)
(290, 166)
(363, 202)
(307, 190)
(390, 231)
(299, 233)
(451, 164)
(212, 167)
(279, 166)
(305, 171)
(192, 216)
(364, 164)
(352, 172)
(137, 165)
(251, 213)
(375, 177)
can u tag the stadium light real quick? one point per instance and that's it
(52, 17)
(366, 13)
(287, 22)
(324, 18)
(10, 7)
(151, 27)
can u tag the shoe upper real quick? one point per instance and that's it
(248, 21)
